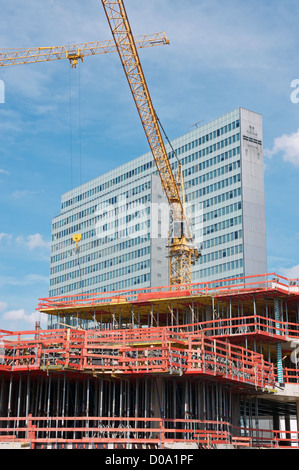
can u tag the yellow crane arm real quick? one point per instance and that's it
(182, 252)
(73, 52)
(124, 40)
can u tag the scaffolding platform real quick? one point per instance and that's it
(156, 367)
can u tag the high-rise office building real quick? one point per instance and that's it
(123, 215)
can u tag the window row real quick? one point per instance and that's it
(108, 184)
(124, 258)
(222, 239)
(114, 200)
(208, 151)
(225, 252)
(208, 137)
(78, 228)
(214, 174)
(214, 187)
(111, 201)
(124, 284)
(140, 169)
(225, 210)
(105, 276)
(220, 268)
(222, 225)
(220, 198)
(208, 163)
(97, 244)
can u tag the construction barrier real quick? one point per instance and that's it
(126, 433)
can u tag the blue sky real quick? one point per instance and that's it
(60, 127)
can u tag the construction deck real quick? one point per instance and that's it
(155, 368)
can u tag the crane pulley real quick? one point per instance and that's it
(182, 251)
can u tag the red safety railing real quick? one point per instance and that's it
(290, 375)
(125, 432)
(229, 362)
(262, 282)
(140, 351)
(243, 326)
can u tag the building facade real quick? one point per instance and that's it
(123, 215)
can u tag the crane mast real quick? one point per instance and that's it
(182, 252)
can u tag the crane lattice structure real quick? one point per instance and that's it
(73, 52)
(182, 251)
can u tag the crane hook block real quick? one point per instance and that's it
(76, 238)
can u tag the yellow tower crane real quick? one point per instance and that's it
(182, 251)
(73, 52)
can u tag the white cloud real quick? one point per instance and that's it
(14, 315)
(290, 273)
(3, 172)
(36, 241)
(5, 236)
(288, 145)
(15, 319)
(23, 193)
(29, 279)
(33, 241)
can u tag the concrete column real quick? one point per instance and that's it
(157, 401)
(276, 423)
(287, 428)
(235, 413)
(158, 411)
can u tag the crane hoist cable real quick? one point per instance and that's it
(79, 124)
(180, 182)
(71, 126)
(77, 237)
(166, 137)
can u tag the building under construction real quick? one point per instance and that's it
(212, 365)
(191, 365)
